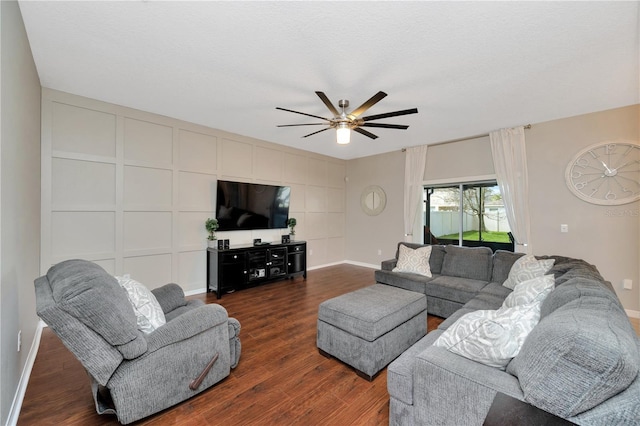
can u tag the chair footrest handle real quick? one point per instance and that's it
(195, 383)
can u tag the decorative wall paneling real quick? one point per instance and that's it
(131, 190)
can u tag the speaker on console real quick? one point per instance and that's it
(226, 244)
(286, 239)
(220, 244)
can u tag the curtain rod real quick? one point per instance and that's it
(526, 127)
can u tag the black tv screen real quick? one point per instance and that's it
(241, 205)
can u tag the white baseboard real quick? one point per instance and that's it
(325, 265)
(632, 314)
(16, 406)
(366, 265)
(194, 292)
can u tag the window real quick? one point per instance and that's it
(468, 214)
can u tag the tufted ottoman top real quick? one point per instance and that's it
(372, 311)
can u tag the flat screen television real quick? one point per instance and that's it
(241, 205)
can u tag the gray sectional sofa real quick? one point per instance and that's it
(580, 362)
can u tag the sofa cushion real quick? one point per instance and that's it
(577, 357)
(620, 409)
(533, 290)
(574, 289)
(149, 314)
(436, 258)
(565, 268)
(453, 288)
(502, 262)
(484, 300)
(526, 268)
(491, 337)
(468, 262)
(405, 280)
(414, 261)
(455, 317)
(496, 289)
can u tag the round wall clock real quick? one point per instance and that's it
(373, 200)
(606, 173)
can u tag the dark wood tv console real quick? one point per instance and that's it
(241, 267)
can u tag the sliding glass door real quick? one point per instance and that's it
(466, 214)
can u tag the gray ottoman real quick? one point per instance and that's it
(370, 327)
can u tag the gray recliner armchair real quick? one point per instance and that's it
(133, 374)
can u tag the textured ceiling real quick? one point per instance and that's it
(469, 67)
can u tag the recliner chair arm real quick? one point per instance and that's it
(187, 325)
(169, 296)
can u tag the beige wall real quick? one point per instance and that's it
(472, 161)
(367, 235)
(131, 190)
(604, 236)
(19, 202)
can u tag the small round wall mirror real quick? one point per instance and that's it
(373, 200)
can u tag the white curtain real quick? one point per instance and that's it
(510, 162)
(414, 164)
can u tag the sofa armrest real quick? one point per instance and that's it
(388, 265)
(235, 347)
(188, 324)
(440, 378)
(170, 297)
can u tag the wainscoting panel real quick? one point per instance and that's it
(97, 187)
(197, 152)
(153, 271)
(145, 187)
(147, 230)
(76, 233)
(131, 190)
(316, 198)
(77, 129)
(267, 164)
(148, 142)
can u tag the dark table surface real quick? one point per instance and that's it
(506, 410)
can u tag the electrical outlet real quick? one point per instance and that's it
(627, 284)
(19, 340)
(310, 252)
(564, 228)
(379, 252)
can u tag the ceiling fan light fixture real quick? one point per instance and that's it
(343, 134)
(344, 122)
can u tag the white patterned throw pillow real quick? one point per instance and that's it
(149, 314)
(526, 268)
(414, 261)
(491, 337)
(530, 291)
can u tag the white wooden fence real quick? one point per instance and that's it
(447, 222)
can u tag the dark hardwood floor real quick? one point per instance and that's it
(281, 378)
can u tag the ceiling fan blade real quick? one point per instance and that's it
(311, 134)
(364, 132)
(390, 114)
(328, 103)
(303, 113)
(385, 126)
(368, 104)
(295, 125)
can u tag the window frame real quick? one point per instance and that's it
(461, 185)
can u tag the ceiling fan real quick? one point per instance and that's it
(344, 121)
